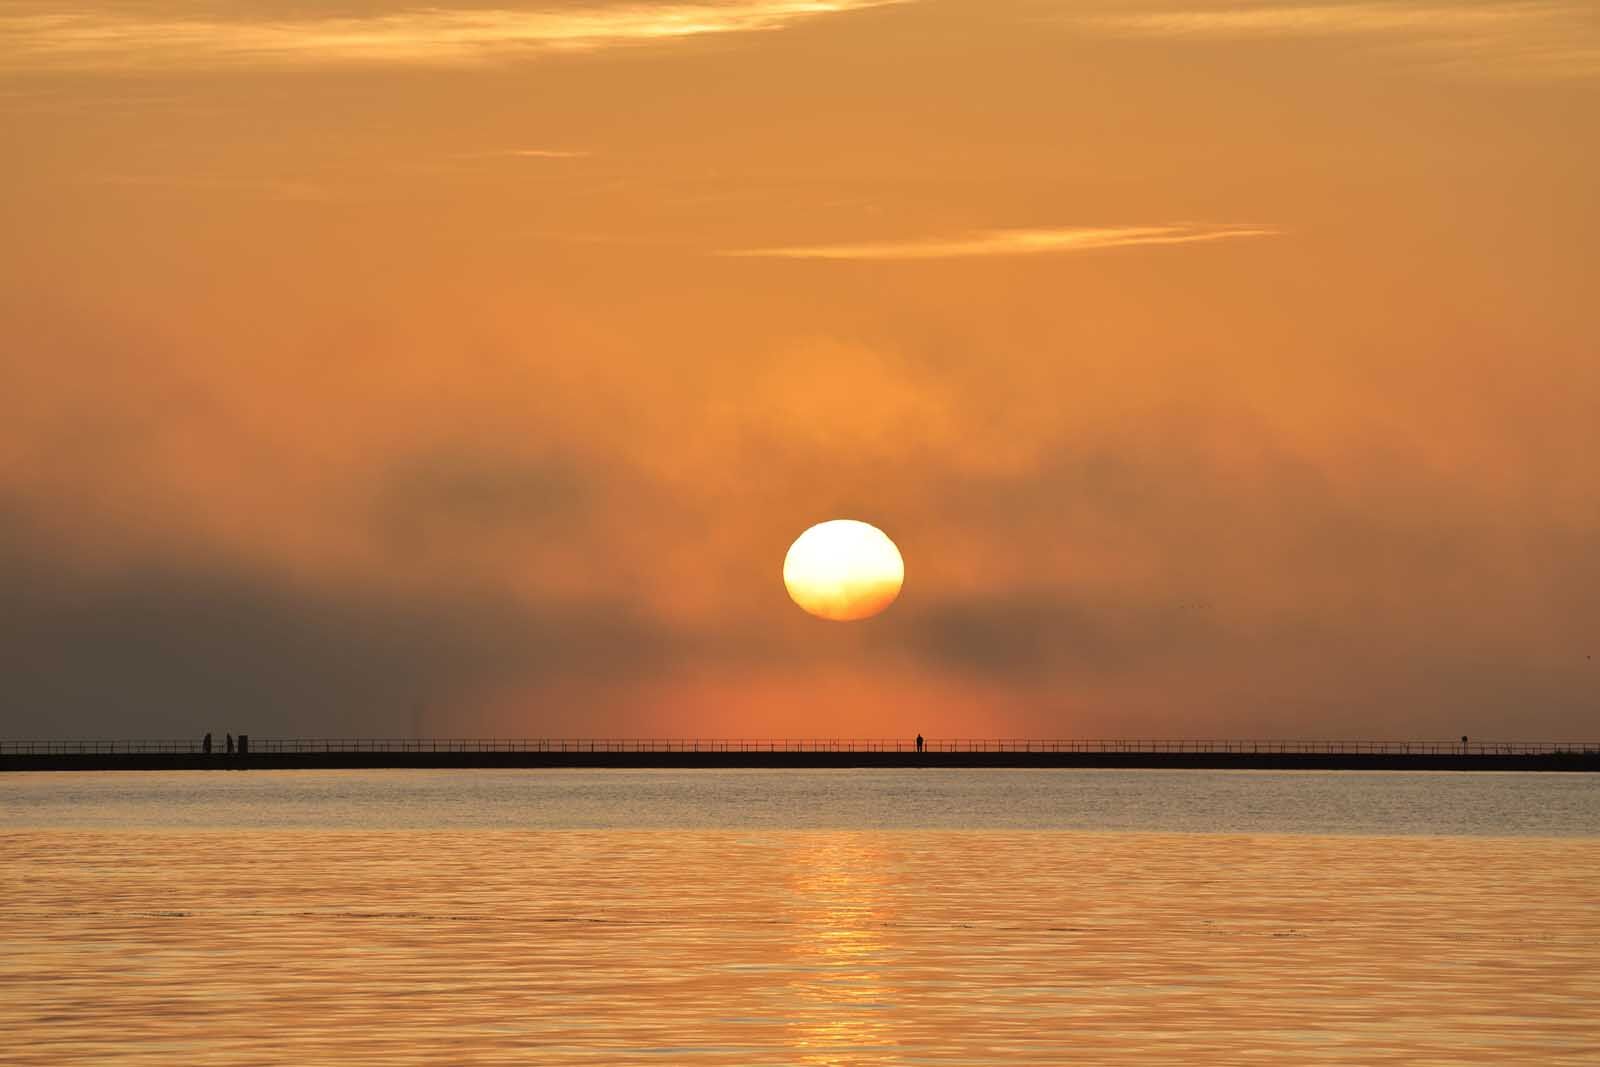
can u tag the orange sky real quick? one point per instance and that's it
(1219, 370)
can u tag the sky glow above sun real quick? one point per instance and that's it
(843, 570)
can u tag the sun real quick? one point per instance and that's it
(843, 570)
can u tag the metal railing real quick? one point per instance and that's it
(1176, 746)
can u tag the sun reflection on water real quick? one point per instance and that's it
(843, 1007)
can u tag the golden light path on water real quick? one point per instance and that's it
(820, 947)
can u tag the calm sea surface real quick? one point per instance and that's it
(805, 917)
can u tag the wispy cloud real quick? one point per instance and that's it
(1500, 38)
(1320, 19)
(1017, 242)
(527, 153)
(541, 153)
(106, 37)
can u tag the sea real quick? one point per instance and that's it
(802, 917)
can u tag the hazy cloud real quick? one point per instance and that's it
(1015, 242)
(1037, 633)
(175, 648)
(1533, 39)
(111, 38)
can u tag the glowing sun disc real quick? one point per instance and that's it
(843, 570)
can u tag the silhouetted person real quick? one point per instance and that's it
(919, 742)
(230, 744)
(205, 743)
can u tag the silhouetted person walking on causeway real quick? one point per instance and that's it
(919, 742)
(205, 743)
(230, 744)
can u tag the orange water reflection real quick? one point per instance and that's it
(778, 947)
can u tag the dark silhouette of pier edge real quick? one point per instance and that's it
(350, 753)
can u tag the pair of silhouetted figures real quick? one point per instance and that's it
(244, 744)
